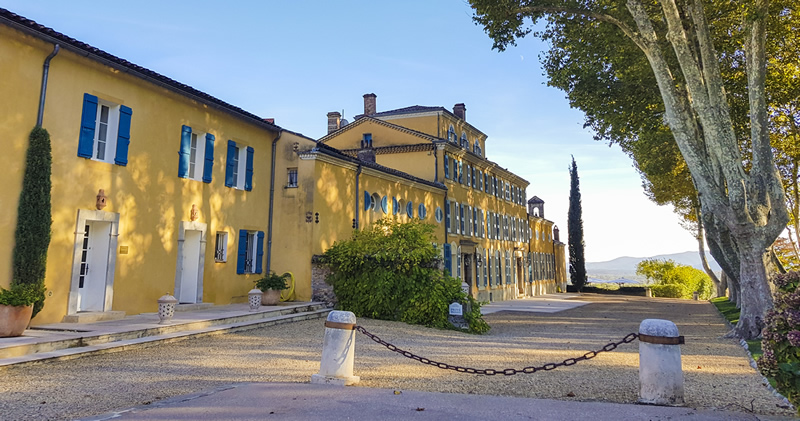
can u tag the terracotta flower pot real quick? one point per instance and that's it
(14, 320)
(271, 297)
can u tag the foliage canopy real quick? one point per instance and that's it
(391, 271)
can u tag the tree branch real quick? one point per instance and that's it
(627, 30)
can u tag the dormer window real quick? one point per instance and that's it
(366, 141)
(451, 134)
(476, 148)
(464, 141)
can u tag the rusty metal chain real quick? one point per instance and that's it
(508, 371)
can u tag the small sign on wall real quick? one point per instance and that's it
(456, 309)
(123, 249)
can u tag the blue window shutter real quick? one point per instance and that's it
(446, 166)
(410, 209)
(229, 164)
(447, 214)
(88, 116)
(241, 252)
(395, 206)
(248, 179)
(367, 200)
(385, 205)
(123, 135)
(184, 153)
(460, 172)
(209, 162)
(448, 259)
(259, 251)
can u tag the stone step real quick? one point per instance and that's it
(147, 341)
(140, 326)
(93, 316)
(193, 307)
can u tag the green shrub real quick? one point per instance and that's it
(390, 271)
(670, 291)
(667, 272)
(272, 281)
(780, 342)
(32, 235)
(20, 295)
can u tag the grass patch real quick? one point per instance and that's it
(727, 309)
(731, 314)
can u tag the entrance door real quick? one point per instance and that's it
(520, 277)
(191, 264)
(468, 271)
(94, 266)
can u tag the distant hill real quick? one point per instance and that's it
(625, 267)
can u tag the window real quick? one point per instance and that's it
(448, 259)
(221, 247)
(238, 168)
(486, 183)
(474, 181)
(480, 180)
(458, 262)
(469, 175)
(461, 220)
(446, 166)
(292, 175)
(196, 156)
(250, 252)
(105, 131)
(451, 134)
(460, 172)
(447, 214)
(464, 141)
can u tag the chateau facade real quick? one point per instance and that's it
(158, 187)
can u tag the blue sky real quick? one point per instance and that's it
(297, 60)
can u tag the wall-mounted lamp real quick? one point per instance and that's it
(316, 218)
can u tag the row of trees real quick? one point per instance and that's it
(682, 86)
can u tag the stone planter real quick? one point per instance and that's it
(166, 308)
(14, 320)
(271, 297)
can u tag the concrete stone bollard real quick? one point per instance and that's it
(660, 372)
(338, 350)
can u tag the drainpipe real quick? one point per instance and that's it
(358, 193)
(271, 201)
(43, 93)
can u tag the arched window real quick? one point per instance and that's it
(451, 134)
(464, 141)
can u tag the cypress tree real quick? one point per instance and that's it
(32, 235)
(577, 262)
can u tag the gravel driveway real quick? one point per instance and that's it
(717, 370)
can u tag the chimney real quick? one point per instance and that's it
(367, 152)
(369, 104)
(270, 120)
(334, 119)
(460, 110)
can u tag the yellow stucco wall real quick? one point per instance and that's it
(20, 89)
(147, 193)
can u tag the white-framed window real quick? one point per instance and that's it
(451, 134)
(106, 123)
(250, 255)
(291, 181)
(464, 141)
(221, 247)
(239, 166)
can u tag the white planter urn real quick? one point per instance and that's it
(166, 308)
(254, 298)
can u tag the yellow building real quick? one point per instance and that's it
(158, 187)
(490, 240)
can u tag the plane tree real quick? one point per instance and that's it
(677, 59)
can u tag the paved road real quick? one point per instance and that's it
(717, 371)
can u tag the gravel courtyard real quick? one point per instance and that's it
(717, 370)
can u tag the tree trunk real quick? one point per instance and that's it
(755, 295)
(733, 288)
(723, 285)
(702, 249)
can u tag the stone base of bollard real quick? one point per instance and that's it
(660, 371)
(338, 350)
(336, 381)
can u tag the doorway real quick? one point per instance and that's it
(94, 261)
(190, 262)
(191, 259)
